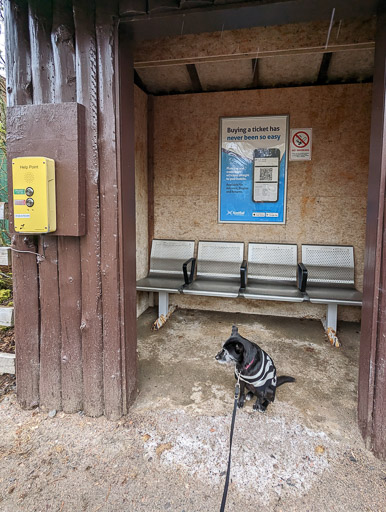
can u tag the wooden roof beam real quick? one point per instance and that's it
(194, 78)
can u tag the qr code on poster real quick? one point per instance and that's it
(266, 174)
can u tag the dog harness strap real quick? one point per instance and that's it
(265, 375)
(248, 365)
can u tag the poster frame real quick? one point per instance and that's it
(254, 222)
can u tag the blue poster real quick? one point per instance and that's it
(253, 169)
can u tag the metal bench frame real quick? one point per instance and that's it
(218, 269)
(325, 275)
(272, 273)
(330, 278)
(169, 262)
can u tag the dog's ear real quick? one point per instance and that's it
(239, 349)
(234, 330)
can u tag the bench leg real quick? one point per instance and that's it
(332, 316)
(163, 303)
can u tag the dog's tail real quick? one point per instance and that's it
(283, 379)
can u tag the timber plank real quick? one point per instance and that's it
(70, 281)
(126, 168)
(70, 289)
(91, 325)
(372, 365)
(25, 270)
(106, 16)
(63, 48)
(40, 21)
(50, 338)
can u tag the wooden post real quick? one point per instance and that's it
(25, 271)
(106, 27)
(126, 167)
(372, 363)
(40, 21)
(150, 171)
(90, 246)
(70, 292)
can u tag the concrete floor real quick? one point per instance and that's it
(305, 447)
(170, 452)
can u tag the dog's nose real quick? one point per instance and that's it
(218, 355)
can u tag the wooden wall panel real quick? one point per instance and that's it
(90, 246)
(105, 31)
(127, 229)
(372, 363)
(70, 293)
(24, 265)
(326, 197)
(74, 357)
(142, 205)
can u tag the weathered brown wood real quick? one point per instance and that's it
(50, 335)
(58, 136)
(194, 77)
(40, 20)
(70, 282)
(91, 325)
(19, 81)
(255, 73)
(150, 170)
(70, 319)
(24, 264)
(323, 71)
(126, 168)
(372, 371)
(106, 25)
(63, 47)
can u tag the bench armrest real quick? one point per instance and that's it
(302, 277)
(243, 274)
(189, 278)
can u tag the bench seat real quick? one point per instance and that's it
(330, 270)
(269, 290)
(169, 260)
(160, 283)
(342, 295)
(270, 273)
(213, 287)
(218, 269)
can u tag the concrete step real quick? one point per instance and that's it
(5, 256)
(6, 316)
(7, 363)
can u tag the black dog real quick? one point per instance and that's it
(254, 368)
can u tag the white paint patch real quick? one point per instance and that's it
(271, 455)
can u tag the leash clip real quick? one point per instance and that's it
(237, 390)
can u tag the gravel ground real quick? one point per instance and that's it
(170, 453)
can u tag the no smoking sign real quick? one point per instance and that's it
(300, 144)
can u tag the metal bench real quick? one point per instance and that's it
(169, 261)
(218, 269)
(330, 279)
(271, 273)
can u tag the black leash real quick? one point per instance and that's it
(224, 496)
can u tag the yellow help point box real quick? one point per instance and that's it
(34, 204)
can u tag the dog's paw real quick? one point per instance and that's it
(258, 407)
(240, 405)
(249, 396)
